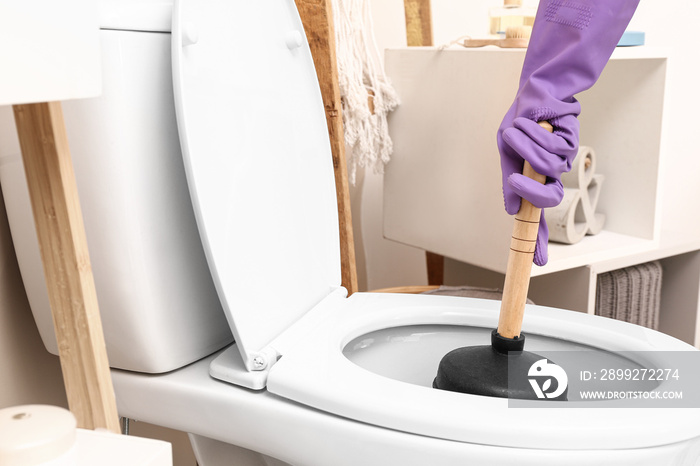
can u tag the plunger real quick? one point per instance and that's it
(503, 368)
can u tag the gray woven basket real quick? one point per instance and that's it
(632, 294)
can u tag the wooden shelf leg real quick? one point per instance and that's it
(67, 269)
(435, 263)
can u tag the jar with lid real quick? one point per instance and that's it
(511, 14)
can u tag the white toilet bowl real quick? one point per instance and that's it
(314, 378)
(326, 404)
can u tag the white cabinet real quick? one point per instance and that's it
(442, 188)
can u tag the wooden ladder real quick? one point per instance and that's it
(317, 18)
(67, 270)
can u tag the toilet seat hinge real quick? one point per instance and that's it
(264, 360)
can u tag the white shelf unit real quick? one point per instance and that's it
(442, 188)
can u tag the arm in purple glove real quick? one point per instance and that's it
(570, 45)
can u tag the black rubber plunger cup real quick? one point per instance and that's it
(500, 369)
(485, 370)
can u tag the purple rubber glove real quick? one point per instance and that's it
(570, 45)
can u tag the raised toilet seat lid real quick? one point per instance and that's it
(258, 162)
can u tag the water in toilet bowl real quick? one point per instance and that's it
(411, 354)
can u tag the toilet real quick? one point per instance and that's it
(207, 189)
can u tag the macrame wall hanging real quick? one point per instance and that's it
(366, 93)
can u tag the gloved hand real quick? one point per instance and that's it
(570, 45)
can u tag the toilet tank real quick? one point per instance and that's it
(157, 300)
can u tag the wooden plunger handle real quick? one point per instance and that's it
(522, 251)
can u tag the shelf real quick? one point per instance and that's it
(574, 288)
(620, 53)
(604, 247)
(442, 188)
(670, 244)
(639, 53)
(611, 251)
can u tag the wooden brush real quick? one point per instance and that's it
(516, 37)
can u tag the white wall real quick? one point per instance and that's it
(28, 373)
(383, 263)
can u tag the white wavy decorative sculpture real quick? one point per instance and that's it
(575, 217)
